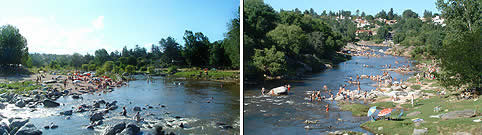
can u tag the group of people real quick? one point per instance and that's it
(137, 117)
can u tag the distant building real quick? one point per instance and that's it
(438, 20)
(360, 23)
(364, 31)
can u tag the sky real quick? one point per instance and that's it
(370, 7)
(83, 26)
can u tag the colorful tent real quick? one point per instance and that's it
(385, 112)
(371, 110)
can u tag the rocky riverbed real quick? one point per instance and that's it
(165, 107)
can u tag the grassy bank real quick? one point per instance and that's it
(434, 125)
(212, 74)
(18, 87)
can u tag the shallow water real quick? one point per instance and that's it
(187, 100)
(287, 114)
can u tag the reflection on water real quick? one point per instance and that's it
(287, 114)
(183, 98)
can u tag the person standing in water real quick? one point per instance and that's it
(327, 107)
(124, 111)
(289, 87)
(262, 90)
(138, 117)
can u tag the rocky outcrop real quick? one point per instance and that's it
(115, 129)
(50, 103)
(131, 129)
(459, 114)
(97, 116)
(68, 112)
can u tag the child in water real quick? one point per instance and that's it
(327, 107)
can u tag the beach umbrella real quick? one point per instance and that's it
(385, 112)
(371, 110)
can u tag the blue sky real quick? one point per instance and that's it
(368, 6)
(65, 27)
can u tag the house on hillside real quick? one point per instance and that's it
(360, 23)
(364, 31)
(438, 20)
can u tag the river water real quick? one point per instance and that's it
(287, 114)
(183, 98)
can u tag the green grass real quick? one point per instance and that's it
(355, 108)
(383, 105)
(19, 87)
(211, 74)
(416, 87)
(434, 125)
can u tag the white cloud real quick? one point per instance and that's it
(45, 35)
(99, 22)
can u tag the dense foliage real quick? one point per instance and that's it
(275, 43)
(13, 46)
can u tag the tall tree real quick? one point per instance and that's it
(171, 49)
(101, 56)
(196, 49)
(13, 46)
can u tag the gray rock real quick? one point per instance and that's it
(413, 113)
(467, 113)
(419, 131)
(462, 133)
(17, 123)
(69, 112)
(112, 107)
(339, 98)
(158, 130)
(28, 129)
(3, 129)
(131, 129)
(20, 103)
(75, 96)
(137, 108)
(50, 103)
(115, 129)
(2, 106)
(97, 116)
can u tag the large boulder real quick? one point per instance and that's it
(131, 129)
(69, 112)
(3, 129)
(50, 103)
(158, 130)
(137, 108)
(467, 113)
(17, 123)
(115, 129)
(97, 116)
(20, 103)
(28, 129)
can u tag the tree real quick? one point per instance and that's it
(125, 52)
(409, 14)
(196, 49)
(101, 56)
(231, 43)
(13, 46)
(427, 15)
(461, 52)
(382, 33)
(259, 19)
(130, 69)
(363, 14)
(108, 66)
(76, 60)
(171, 49)
(382, 14)
(390, 15)
(461, 15)
(216, 54)
(85, 67)
(288, 38)
(270, 61)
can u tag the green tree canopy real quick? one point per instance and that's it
(13, 46)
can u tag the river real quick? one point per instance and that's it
(287, 114)
(183, 98)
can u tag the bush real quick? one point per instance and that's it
(151, 69)
(416, 87)
(172, 69)
(130, 69)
